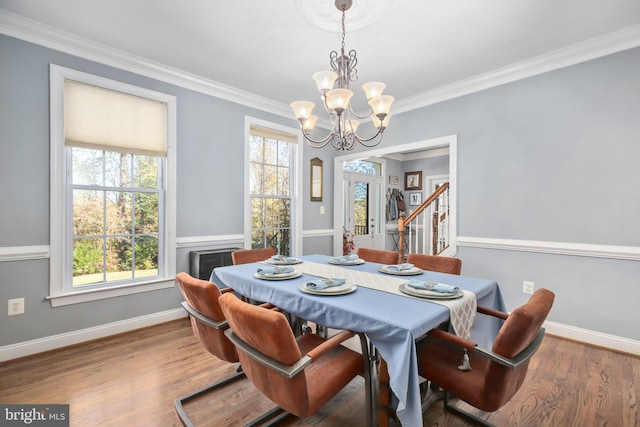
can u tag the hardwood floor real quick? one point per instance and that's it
(132, 380)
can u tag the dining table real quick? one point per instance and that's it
(391, 320)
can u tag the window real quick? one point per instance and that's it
(112, 181)
(272, 173)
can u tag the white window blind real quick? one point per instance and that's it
(273, 134)
(96, 117)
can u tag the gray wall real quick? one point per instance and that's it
(210, 165)
(551, 158)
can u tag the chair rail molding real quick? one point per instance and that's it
(197, 241)
(558, 248)
(22, 253)
(328, 232)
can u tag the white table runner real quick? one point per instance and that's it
(462, 310)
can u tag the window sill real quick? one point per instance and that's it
(78, 297)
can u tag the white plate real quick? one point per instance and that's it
(423, 293)
(354, 262)
(278, 276)
(411, 272)
(276, 262)
(347, 288)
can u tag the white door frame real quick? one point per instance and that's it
(450, 141)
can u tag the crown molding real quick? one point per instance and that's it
(35, 32)
(611, 43)
(32, 31)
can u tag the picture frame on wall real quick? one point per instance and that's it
(415, 199)
(316, 179)
(413, 180)
(394, 180)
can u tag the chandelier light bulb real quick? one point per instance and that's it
(338, 99)
(325, 80)
(381, 123)
(373, 89)
(351, 125)
(302, 109)
(309, 124)
(381, 104)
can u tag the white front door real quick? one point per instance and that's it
(363, 213)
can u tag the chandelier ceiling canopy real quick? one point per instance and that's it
(336, 101)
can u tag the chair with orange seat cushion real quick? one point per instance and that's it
(246, 256)
(208, 324)
(300, 374)
(378, 255)
(496, 374)
(441, 264)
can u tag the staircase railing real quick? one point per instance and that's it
(432, 214)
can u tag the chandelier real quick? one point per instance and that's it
(337, 104)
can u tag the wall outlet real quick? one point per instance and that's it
(527, 287)
(16, 306)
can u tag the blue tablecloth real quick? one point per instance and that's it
(391, 322)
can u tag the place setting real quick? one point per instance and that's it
(404, 269)
(352, 259)
(327, 286)
(283, 260)
(430, 290)
(277, 273)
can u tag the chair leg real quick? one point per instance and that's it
(179, 403)
(464, 413)
(269, 418)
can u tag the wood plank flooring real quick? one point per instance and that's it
(133, 378)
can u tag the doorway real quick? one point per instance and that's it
(363, 209)
(449, 143)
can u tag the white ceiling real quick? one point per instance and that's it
(267, 49)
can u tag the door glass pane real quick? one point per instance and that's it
(361, 208)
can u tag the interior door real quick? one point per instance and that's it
(363, 210)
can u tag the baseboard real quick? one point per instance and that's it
(28, 348)
(597, 339)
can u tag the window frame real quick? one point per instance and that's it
(61, 211)
(295, 189)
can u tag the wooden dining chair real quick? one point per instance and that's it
(496, 374)
(378, 255)
(300, 374)
(441, 264)
(246, 256)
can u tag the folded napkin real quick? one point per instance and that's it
(345, 258)
(319, 284)
(283, 258)
(274, 270)
(433, 286)
(399, 267)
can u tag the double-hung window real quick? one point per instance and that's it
(273, 178)
(112, 186)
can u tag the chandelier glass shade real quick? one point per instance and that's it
(336, 101)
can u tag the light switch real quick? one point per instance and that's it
(321, 210)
